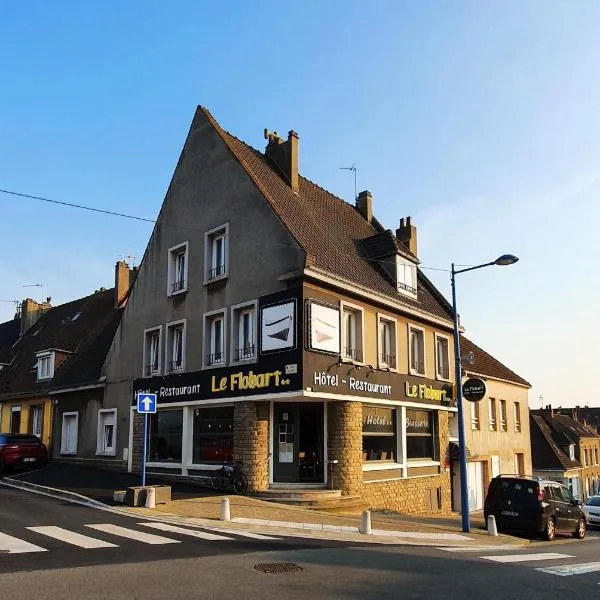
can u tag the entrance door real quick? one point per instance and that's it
(475, 479)
(15, 419)
(298, 443)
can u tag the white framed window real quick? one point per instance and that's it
(70, 425)
(572, 451)
(416, 350)
(244, 332)
(442, 357)
(106, 442)
(518, 417)
(585, 458)
(495, 466)
(474, 416)
(36, 415)
(386, 342)
(176, 343)
(492, 415)
(595, 456)
(406, 277)
(352, 332)
(177, 279)
(216, 254)
(215, 324)
(152, 351)
(503, 423)
(45, 365)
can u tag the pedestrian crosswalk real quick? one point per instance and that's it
(524, 556)
(110, 535)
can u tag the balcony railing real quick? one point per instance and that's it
(353, 354)
(176, 365)
(389, 360)
(178, 286)
(218, 271)
(214, 359)
(245, 352)
(418, 367)
(152, 369)
(407, 288)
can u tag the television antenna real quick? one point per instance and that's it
(353, 169)
(39, 285)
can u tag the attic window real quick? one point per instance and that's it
(572, 451)
(406, 277)
(45, 365)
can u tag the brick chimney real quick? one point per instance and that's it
(364, 205)
(31, 311)
(124, 278)
(284, 154)
(407, 234)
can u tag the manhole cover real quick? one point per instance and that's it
(278, 568)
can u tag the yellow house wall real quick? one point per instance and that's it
(484, 443)
(25, 408)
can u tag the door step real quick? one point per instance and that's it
(327, 500)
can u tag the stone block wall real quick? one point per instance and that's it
(344, 429)
(251, 441)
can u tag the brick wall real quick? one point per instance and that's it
(251, 441)
(344, 429)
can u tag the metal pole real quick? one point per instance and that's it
(144, 449)
(462, 445)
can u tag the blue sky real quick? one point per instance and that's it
(478, 119)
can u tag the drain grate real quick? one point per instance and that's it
(278, 568)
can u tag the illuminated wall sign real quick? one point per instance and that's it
(324, 327)
(352, 384)
(422, 391)
(278, 326)
(248, 381)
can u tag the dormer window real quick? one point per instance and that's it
(406, 277)
(45, 365)
(572, 451)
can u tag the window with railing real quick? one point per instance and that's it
(406, 277)
(442, 357)
(243, 332)
(175, 347)
(352, 343)
(152, 351)
(214, 339)
(387, 343)
(492, 416)
(474, 416)
(518, 417)
(416, 337)
(216, 253)
(503, 424)
(178, 269)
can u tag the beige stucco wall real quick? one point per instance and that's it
(484, 443)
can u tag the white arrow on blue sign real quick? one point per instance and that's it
(146, 403)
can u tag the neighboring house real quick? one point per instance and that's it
(496, 427)
(580, 442)
(285, 328)
(586, 414)
(554, 455)
(9, 334)
(52, 356)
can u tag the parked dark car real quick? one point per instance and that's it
(20, 451)
(534, 506)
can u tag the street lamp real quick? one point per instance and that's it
(504, 260)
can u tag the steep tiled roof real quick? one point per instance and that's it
(546, 452)
(486, 364)
(588, 414)
(329, 230)
(567, 425)
(72, 328)
(9, 334)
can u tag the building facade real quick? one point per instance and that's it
(287, 329)
(496, 427)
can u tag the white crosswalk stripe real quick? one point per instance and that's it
(13, 545)
(132, 534)
(480, 548)
(567, 570)
(70, 537)
(515, 558)
(191, 532)
(248, 534)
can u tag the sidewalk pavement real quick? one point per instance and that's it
(200, 506)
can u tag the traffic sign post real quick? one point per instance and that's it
(146, 405)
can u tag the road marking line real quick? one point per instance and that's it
(132, 534)
(13, 545)
(191, 532)
(567, 570)
(480, 548)
(254, 536)
(70, 537)
(512, 558)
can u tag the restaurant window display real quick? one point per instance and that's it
(213, 434)
(380, 438)
(420, 435)
(165, 433)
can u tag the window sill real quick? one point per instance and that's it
(216, 279)
(153, 374)
(178, 292)
(63, 453)
(220, 365)
(380, 466)
(444, 379)
(384, 367)
(423, 463)
(106, 453)
(205, 466)
(417, 373)
(244, 361)
(164, 465)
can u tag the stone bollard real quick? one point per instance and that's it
(491, 526)
(365, 525)
(150, 497)
(225, 510)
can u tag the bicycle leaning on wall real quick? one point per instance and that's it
(230, 475)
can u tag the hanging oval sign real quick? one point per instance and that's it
(474, 389)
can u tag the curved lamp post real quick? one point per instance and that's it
(504, 260)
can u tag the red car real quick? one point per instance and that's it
(22, 451)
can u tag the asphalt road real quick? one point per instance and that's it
(183, 567)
